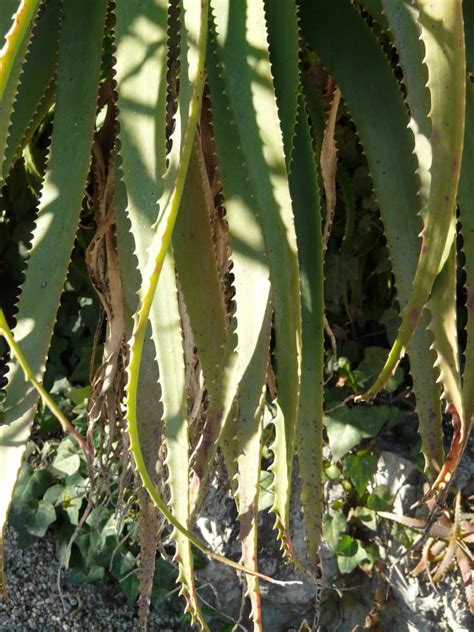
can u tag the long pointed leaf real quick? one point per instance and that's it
(443, 35)
(56, 226)
(465, 198)
(241, 49)
(402, 19)
(306, 204)
(250, 318)
(150, 410)
(158, 249)
(376, 104)
(12, 56)
(36, 89)
(203, 294)
(251, 404)
(141, 68)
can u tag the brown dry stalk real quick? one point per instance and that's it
(328, 161)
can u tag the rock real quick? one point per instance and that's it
(382, 601)
(401, 477)
(282, 607)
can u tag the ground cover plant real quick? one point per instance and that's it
(186, 179)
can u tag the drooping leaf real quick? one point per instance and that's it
(56, 225)
(467, 229)
(12, 56)
(305, 197)
(197, 270)
(250, 318)
(374, 98)
(143, 154)
(203, 294)
(37, 89)
(443, 36)
(244, 62)
(150, 411)
(402, 18)
(251, 404)
(194, 32)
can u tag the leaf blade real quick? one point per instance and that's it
(55, 230)
(12, 56)
(306, 204)
(254, 110)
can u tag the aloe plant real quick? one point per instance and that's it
(210, 159)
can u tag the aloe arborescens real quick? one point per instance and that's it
(212, 171)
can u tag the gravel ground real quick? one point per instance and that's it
(410, 606)
(33, 602)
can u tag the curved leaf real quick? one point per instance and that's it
(402, 17)
(12, 56)
(141, 46)
(36, 88)
(242, 51)
(56, 225)
(203, 294)
(443, 35)
(382, 121)
(157, 254)
(251, 319)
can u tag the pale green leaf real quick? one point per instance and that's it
(56, 225)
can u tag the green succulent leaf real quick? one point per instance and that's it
(305, 196)
(374, 98)
(12, 56)
(200, 217)
(243, 57)
(467, 229)
(134, 37)
(443, 36)
(56, 226)
(36, 89)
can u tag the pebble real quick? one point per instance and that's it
(33, 602)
